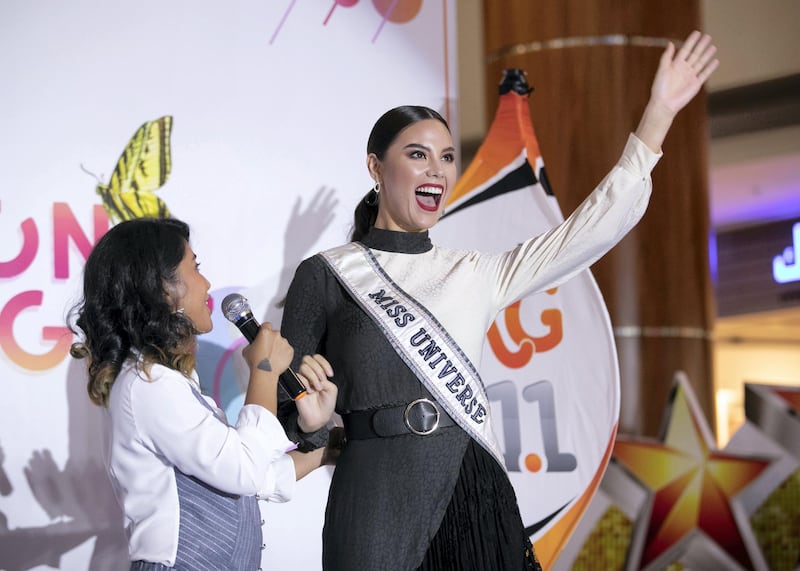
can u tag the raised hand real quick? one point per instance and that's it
(680, 76)
(678, 79)
(49, 485)
(306, 226)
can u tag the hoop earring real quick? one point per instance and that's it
(180, 311)
(377, 188)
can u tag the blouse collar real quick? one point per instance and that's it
(400, 242)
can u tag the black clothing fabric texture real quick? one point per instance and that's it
(482, 528)
(388, 496)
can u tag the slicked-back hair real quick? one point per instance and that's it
(383, 134)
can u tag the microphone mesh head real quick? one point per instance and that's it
(234, 306)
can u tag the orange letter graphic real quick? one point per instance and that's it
(62, 336)
(527, 344)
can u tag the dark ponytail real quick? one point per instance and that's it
(364, 217)
(384, 132)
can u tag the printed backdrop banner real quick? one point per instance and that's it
(550, 364)
(264, 155)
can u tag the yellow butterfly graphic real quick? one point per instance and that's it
(143, 167)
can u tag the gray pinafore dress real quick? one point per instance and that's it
(217, 530)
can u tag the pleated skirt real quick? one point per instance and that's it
(482, 529)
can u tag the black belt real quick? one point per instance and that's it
(421, 417)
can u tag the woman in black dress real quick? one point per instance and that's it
(420, 484)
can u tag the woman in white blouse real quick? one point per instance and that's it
(187, 481)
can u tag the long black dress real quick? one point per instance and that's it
(431, 502)
(439, 501)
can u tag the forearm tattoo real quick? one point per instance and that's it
(264, 365)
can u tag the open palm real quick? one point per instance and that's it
(680, 76)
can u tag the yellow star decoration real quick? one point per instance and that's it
(691, 482)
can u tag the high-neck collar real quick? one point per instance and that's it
(400, 242)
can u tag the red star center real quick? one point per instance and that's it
(692, 482)
(791, 397)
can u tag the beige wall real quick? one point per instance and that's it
(472, 100)
(749, 362)
(760, 39)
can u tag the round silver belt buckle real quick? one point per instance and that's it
(427, 408)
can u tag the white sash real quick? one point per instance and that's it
(419, 339)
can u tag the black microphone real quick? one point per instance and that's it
(236, 310)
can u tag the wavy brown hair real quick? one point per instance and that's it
(126, 309)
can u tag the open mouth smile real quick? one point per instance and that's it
(429, 196)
